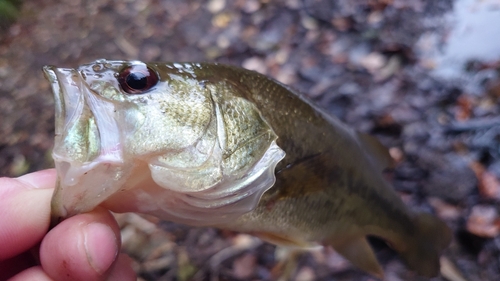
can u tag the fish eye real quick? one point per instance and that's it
(137, 79)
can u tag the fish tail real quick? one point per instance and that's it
(422, 252)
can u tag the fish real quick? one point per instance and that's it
(208, 144)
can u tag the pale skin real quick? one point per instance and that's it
(83, 247)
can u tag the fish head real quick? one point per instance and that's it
(156, 138)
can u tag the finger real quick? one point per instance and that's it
(83, 247)
(32, 273)
(25, 209)
(40, 179)
(122, 270)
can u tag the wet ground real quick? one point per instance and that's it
(423, 76)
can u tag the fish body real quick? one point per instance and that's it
(214, 145)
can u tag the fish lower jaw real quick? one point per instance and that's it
(73, 196)
(70, 171)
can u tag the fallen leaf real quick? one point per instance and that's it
(450, 271)
(465, 105)
(484, 221)
(244, 266)
(488, 183)
(305, 274)
(444, 210)
(185, 269)
(397, 154)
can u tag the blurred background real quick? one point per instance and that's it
(423, 76)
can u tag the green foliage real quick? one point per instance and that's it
(9, 9)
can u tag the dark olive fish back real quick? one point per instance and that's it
(326, 182)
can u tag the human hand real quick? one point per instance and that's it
(83, 247)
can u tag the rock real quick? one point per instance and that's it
(450, 176)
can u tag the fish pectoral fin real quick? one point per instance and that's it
(359, 252)
(284, 241)
(377, 152)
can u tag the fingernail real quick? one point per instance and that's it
(40, 179)
(101, 246)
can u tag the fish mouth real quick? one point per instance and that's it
(56, 76)
(86, 147)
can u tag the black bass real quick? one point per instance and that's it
(215, 145)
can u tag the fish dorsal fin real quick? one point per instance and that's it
(376, 151)
(359, 252)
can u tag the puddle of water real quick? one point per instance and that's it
(471, 33)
